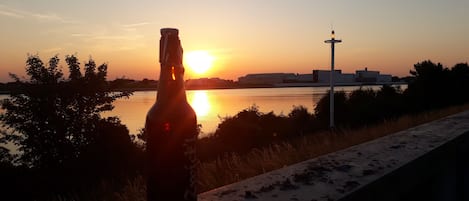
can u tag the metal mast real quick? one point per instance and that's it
(332, 41)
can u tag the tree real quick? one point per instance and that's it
(429, 88)
(53, 119)
(460, 83)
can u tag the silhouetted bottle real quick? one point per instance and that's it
(171, 129)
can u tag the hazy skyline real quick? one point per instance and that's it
(244, 36)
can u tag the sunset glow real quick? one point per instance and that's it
(198, 61)
(229, 39)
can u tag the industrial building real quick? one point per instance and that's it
(360, 76)
(323, 76)
(265, 78)
(318, 76)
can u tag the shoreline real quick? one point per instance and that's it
(278, 85)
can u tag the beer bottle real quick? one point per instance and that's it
(171, 130)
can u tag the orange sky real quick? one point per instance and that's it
(245, 36)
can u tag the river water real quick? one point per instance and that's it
(213, 105)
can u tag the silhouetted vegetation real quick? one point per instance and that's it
(431, 87)
(435, 86)
(69, 149)
(123, 84)
(251, 128)
(62, 140)
(362, 107)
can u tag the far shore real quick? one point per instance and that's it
(278, 85)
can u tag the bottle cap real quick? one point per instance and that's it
(169, 31)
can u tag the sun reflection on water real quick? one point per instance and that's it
(200, 102)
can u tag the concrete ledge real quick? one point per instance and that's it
(425, 162)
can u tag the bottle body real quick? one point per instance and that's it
(172, 134)
(171, 130)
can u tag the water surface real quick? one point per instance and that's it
(212, 105)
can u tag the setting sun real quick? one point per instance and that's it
(198, 61)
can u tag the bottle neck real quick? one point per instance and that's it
(171, 84)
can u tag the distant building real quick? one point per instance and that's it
(317, 76)
(366, 75)
(265, 78)
(274, 78)
(208, 83)
(361, 76)
(304, 78)
(299, 78)
(323, 76)
(384, 78)
(372, 76)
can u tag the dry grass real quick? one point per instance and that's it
(233, 168)
(134, 190)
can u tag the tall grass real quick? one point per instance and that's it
(232, 168)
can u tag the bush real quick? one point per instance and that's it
(322, 110)
(301, 121)
(252, 129)
(361, 107)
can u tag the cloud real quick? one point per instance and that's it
(78, 35)
(135, 24)
(10, 12)
(111, 40)
(18, 13)
(46, 16)
(53, 49)
(52, 17)
(102, 36)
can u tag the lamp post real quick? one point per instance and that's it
(332, 41)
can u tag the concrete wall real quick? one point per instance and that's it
(427, 162)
